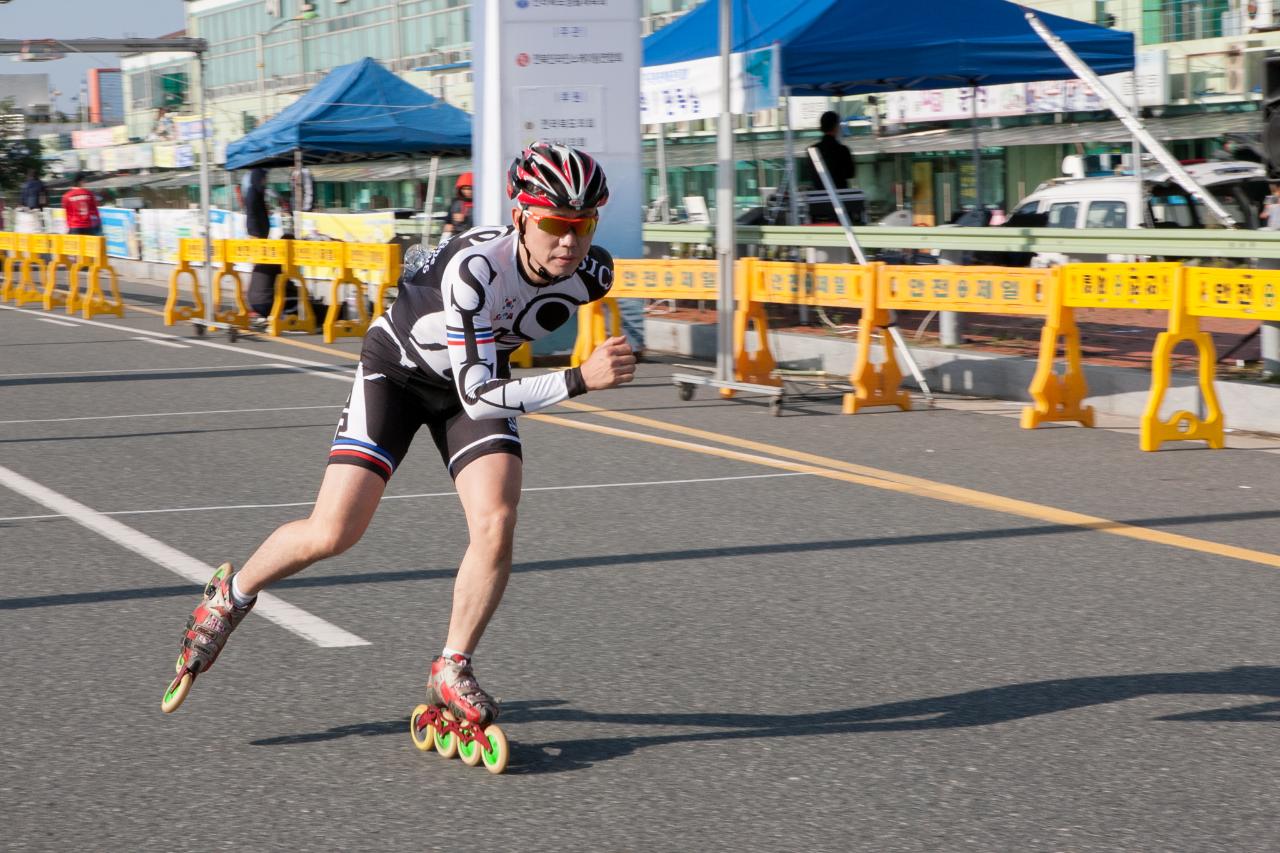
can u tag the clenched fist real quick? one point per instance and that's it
(610, 365)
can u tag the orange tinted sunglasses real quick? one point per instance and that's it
(558, 226)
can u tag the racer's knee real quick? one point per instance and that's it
(330, 540)
(494, 529)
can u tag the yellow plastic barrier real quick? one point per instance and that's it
(313, 256)
(639, 279)
(1160, 286)
(190, 250)
(1233, 294)
(278, 253)
(18, 272)
(52, 245)
(987, 290)
(831, 285)
(9, 246)
(375, 263)
(1058, 396)
(91, 261)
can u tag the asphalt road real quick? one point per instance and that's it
(726, 630)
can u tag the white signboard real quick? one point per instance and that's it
(562, 70)
(1049, 96)
(685, 91)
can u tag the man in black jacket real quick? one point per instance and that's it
(835, 154)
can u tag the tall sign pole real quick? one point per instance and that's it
(725, 224)
(568, 74)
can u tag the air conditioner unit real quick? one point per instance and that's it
(1261, 15)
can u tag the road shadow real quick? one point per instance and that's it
(987, 706)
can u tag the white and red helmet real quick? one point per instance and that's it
(550, 175)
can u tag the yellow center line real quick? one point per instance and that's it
(877, 478)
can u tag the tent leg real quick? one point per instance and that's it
(428, 207)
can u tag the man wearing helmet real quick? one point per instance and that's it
(439, 357)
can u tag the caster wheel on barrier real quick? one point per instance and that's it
(233, 334)
(424, 738)
(199, 329)
(685, 392)
(775, 407)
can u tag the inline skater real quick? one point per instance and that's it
(439, 357)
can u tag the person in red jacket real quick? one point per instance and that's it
(81, 208)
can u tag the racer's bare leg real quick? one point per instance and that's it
(490, 490)
(345, 505)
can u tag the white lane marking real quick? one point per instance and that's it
(168, 414)
(126, 372)
(161, 343)
(55, 322)
(197, 342)
(305, 625)
(428, 495)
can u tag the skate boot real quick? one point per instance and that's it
(208, 627)
(458, 717)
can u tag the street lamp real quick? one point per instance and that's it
(306, 12)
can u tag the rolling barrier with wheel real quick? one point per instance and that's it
(190, 251)
(1058, 390)
(278, 253)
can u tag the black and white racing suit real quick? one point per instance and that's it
(439, 355)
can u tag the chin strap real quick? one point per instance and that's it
(534, 267)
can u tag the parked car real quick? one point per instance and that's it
(1114, 202)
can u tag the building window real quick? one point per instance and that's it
(1184, 20)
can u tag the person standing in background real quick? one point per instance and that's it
(461, 210)
(35, 196)
(81, 208)
(835, 154)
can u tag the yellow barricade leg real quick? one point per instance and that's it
(95, 301)
(75, 301)
(52, 297)
(26, 290)
(875, 384)
(355, 328)
(304, 318)
(754, 367)
(173, 312)
(522, 356)
(1058, 397)
(6, 287)
(1182, 425)
(238, 314)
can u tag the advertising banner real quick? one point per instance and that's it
(685, 91)
(348, 227)
(120, 227)
(161, 230)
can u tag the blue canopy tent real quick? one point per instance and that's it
(842, 47)
(359, 111)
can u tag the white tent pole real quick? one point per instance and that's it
(664, 205)
(431, 197)
(210, 308)
(1162, 155)
(725, 238)
(793, 200)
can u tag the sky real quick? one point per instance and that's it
(82, 19)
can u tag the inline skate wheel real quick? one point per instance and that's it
(446, 742)
(469, 751)
(424, 736)
(178, 690)
(497, 752)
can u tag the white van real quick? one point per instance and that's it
(1114, 202)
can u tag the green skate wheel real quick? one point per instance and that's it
(469, 752)
(423, 738)
(178, 690)
(497, 752)
(446, 742)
